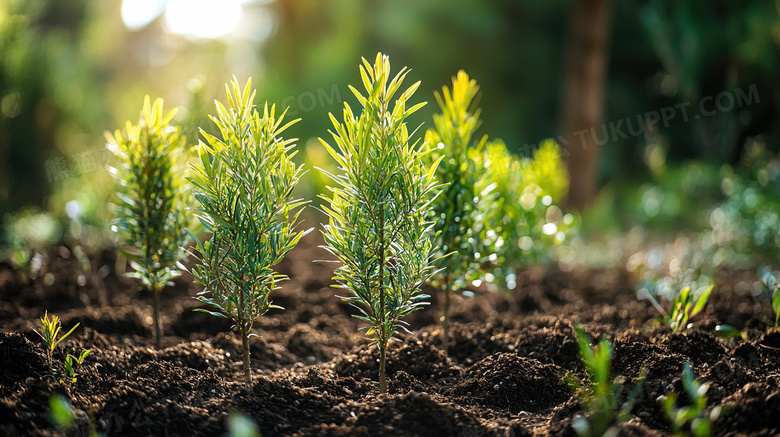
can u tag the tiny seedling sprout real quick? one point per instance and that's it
(600, 396)
(691, 417)
(685, 306)
(49, 331)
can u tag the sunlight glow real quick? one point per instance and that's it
(138, 13)
(203, 19)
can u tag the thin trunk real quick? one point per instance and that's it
(582, 112)
(49, 355)
(381, 333)
(245, 344)
(157, 322)
(382, 377)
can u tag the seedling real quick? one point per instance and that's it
(152, 197)
(379, 225)
(244, 183)
(601, 396)
(770, 280)
(50, 334)
(690, 420)
(684, 307)
(72, 364)
(459, 210)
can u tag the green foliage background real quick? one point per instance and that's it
(70, 69)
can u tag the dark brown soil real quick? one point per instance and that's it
(314, 374)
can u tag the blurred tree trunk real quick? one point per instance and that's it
(583, 98)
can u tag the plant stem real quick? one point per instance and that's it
(381, 332)
(382, 376)
(49, 355)
(157, 322)
(245, 344)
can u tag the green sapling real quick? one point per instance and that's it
(152, 198)
(379, 226)
(459, 212)
(244, 185)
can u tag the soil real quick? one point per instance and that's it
(314, 373)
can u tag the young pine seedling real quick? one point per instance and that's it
(459, 211)
(690, 420)
(684, 307)
(152, 199)
(379, 211)
(601, 396)
(244, 183)
(49, 331)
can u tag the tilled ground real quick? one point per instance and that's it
(315, 375)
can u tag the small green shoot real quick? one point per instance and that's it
(690, 420)
(601, 396)
(379, 226)
(50, 334)
(244, 184)
(72, 365)
(684, 307)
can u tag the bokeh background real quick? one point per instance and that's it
(70, 70)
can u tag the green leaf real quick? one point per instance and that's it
(702, 301)
(68, 333)
(213, 313)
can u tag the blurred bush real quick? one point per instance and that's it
(526, 220)
(70, 69)
(29, 233)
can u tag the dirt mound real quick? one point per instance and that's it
(697, 346)
(314, 374)
(509, 382)
(412, 414)
(19, 360)
(159, 397)
(280, 408)
(417, 357)
(549, 346)
(630, 357)
(753, 409)
(473, 341)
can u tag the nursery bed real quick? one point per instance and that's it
(315, 375)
